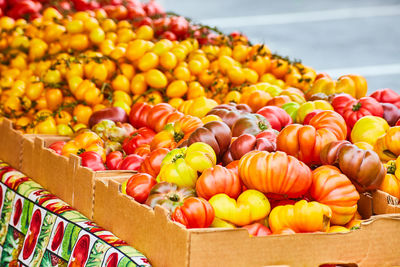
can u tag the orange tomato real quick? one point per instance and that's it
(54, 98)
(82, 114)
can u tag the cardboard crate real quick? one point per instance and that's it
(383, 203)
(10, 143)
(167, 243)
(84, 182)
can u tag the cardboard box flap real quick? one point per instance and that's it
(10, 144)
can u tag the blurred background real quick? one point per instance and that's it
(335, 36)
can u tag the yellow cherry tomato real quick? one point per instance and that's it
(136, 49)
(148, 61)
(176, 102)
(48, 126)
(209, 118)
(52, 77)
(236, 75)
(195, 90)
(82, 114)
(168, 60)
(182, 73)
(79, 42)
(122, 105)
(120, 83)
(177, 89)
(138, 84)
(127, 70)
(195, 66)
(145, 32)
(122, 96)
(97, 35)
(54, 98)
(63, 117)
(64, 130)
(156, 79)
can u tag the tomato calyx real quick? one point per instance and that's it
(178, 136)
(262, 126)
(391, 167)
(81, 150)
(357, 106)
(179, 156)
(173, 196)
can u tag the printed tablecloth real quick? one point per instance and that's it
(39, 229)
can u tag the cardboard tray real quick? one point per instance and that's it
(63, 176)
(167, 243)
(383, 203)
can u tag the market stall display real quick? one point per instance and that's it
(150, 120)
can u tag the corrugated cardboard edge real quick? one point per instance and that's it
(149, 230)
(383, 203)
(10, 144)
(153, 233)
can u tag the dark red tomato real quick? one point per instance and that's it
(387, 96)
(92, 160)
(276, 116)
(257, 229)
(179, 26)
(58, 236)
(352, 109)
(82, 5)
(17, 211)
(114, 159)
(391, 113)
(169, 35)
(81, 252)
(112, 260)
(161, 25)
(25, 8)
(138, 114)
(57, 146)
(139, 186)
(140, 137)
(32, 235)
(311, 115)
(144, 21)
(153, 8)
(135, 11)
(131, 162)
(269, 134)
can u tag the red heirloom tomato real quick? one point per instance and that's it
(92, 160)
(276, 116)
(218, 180)
(138, 114)
(57, 146)
(179, 26)
(131, 162)
(114, 159)
(139, 186)
(140, 137)
(152, 162)
(275, 172)
(158, 115)
(194, 213)
(257, 229)
(352, 109)
(311, 115)
(387, 96)
(306, 142)
(230, 113)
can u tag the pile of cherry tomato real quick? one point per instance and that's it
(222, 132)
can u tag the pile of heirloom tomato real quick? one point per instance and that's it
(221, 132)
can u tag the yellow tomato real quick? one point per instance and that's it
(195, 90)
(162, 46)
(54, 98)
(138, 84)
(148, 61)
(182, 73)
(79, 126)
(338, 229)
(195, 67)
(250, 75)
(240, 52)
(232, 96)
(236, 75)
(125, 35)
(106, 47)
(97, 35)
(156, 79)
(48, 126)
(145, 32)
(120, 83)
(63, 117)
(64, 130)
(154, 98)
(74, 83)
(176, 102)
(51, 14)
(168, 60)
(136, 49)
(23, 122)
(12, 104)
(177, 88)
(82, 113)
(122, 96)
(93, 96)
(209, 118)
(41, 102)
(122, 105)
(6, 23)
(53, 32)
(18, 88)
(52, 77)
(364, 146)
(37, 49)
(79, 42)
(118, 52)
(127, 70)
(368, 129)
(108, 25)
